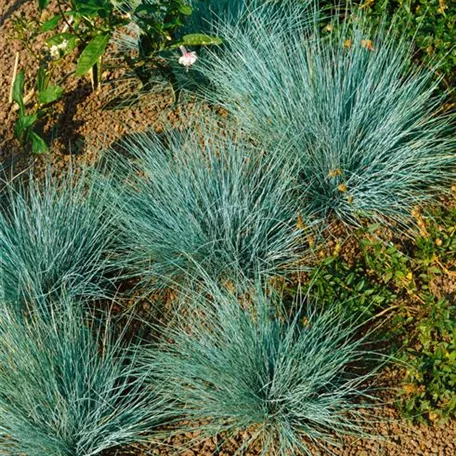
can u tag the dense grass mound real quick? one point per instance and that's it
(192, 202)
(365, 124)
(53, 236)
(67, 389)
(244, 364)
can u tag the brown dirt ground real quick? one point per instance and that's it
(79, 128)
(82, 130)
(393, 438)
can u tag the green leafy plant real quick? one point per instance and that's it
(384, 276)
(356, 289)
(88, 25)
(430, 389)
(157, 30)
(389, 264)
(430, 384)
(28, 120)
(160, 22)
(432, 26)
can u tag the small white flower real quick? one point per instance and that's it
(188, 58)
(54, 51)
(56, 48)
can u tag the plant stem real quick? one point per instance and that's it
(68, 24)
(16, 63)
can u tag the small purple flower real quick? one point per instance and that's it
(188, 58)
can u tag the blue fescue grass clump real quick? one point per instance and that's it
(237, 364)
(69, 387)
(54, 235)
(195, 201)
(366, 124)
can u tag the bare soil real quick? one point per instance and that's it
(81, 129)
(81, 124)
(394, 437)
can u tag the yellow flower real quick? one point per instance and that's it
(300, 223)
(335, 172)
(367, 44)
(342, 188)
(410, 388)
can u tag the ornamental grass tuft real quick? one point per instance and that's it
(289, 380)
(369, 129)
(56, 237)
(194, 203)
(69, 387)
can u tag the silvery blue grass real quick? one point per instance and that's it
(197, 201)
(237, 364)
(69, 387)
(371, 135)
(54, 235)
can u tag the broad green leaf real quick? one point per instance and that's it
(91, 53)
(50, 24)
(198, 39)
(59, 38)
(387, 277)
(28, 121)
(72, 43)
(146, 8)
(172, 24)
(93, 7)
(42, 4)
(23, 123)
(18, 91)
(41, 78)
(186, 10)
(39, 146)
(50, 94)
(68, 38)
